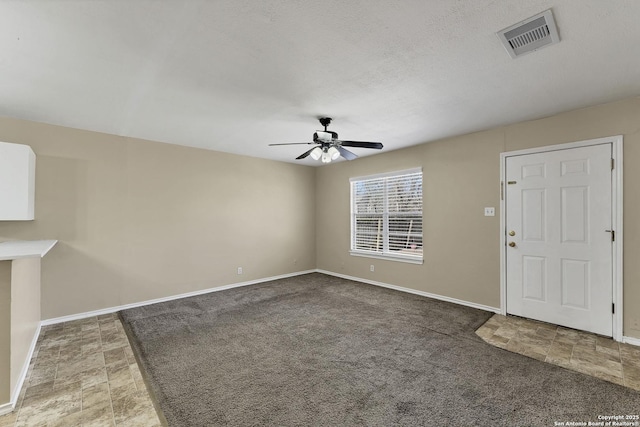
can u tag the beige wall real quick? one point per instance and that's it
(25, 313)
(138, 220)
(461, 177)
(5, 331)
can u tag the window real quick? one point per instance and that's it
(386, 215)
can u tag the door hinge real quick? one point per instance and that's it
(613, 163)
(501, 190)
(613, 308)
(613, 235)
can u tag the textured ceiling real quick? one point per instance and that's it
(236, 75)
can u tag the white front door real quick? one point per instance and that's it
(559, 260)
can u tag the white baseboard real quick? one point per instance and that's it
(631, 340)
(109, 310)
(25, 367)
(15, 393)
(6, 408)
(413, 291)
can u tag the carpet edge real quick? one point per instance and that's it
(135, 347)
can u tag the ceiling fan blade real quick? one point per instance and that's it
(361, 144)
(305, 154)
(294, 143)
(346, 153)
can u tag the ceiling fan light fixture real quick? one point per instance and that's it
(316, 153)
(333, 152)
(326, 157)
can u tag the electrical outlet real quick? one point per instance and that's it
(635, 324)
(489, 211)
(371, 268)
(239, 270)
(295, 261)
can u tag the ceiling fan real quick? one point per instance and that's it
(329, 147)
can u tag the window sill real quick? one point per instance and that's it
(388, 257)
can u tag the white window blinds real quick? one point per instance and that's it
(386, 215)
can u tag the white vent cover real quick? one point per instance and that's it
(530, 35)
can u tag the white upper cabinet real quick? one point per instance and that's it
(17, 182)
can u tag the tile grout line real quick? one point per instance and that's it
(553, 340)
(573, 347)
(113, 412)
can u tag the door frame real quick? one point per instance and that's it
(616, 220)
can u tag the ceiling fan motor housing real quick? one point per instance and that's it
(321, 136)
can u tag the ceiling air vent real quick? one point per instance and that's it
(530, 35)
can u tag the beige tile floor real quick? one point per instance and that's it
(576, 350)
(83, 373)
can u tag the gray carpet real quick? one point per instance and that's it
(316, 350)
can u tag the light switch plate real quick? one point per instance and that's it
(489, 211)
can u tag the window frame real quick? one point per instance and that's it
(386, 254)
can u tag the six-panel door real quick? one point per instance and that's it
(559, 254)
